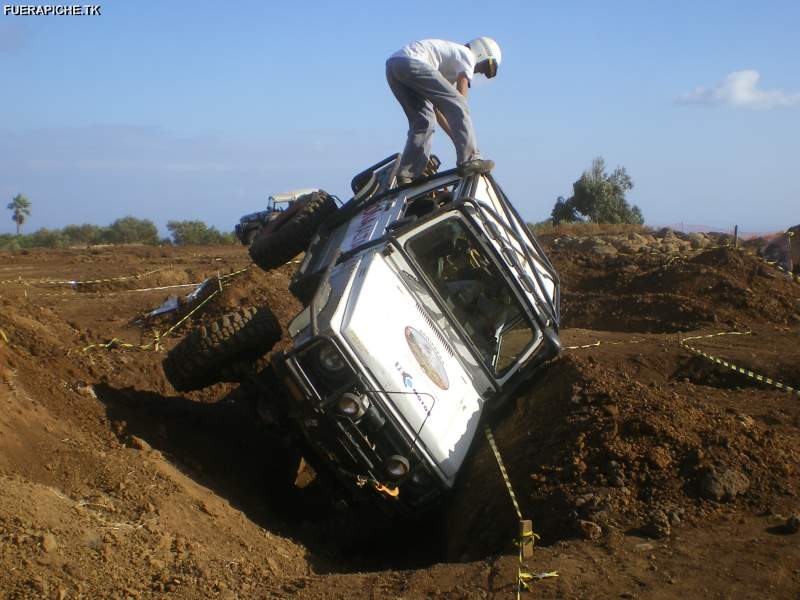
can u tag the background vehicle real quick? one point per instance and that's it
(251, 224)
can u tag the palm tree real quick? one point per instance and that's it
(22, 210)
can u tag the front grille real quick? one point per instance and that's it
(354, 449)
(435, 330)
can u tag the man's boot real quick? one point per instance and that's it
(476, 166)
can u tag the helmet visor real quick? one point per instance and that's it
(491, 68)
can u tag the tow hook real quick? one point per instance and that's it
(392, 492)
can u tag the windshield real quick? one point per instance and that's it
(474, 291)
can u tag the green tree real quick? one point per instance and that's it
(21, 210)
(197, 233)
(130, 230)
(599, 198)
(44, 238)
(84, 234)
(8, 241)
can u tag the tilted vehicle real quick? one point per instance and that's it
(424, 305)
(250, 225)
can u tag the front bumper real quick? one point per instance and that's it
(354, 450)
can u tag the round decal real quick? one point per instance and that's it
(427, 357)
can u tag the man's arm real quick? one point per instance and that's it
(462, 87)
(443, 123)
(462, 84)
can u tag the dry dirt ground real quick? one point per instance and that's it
(648, 470)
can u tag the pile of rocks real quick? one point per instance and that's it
(665, 240)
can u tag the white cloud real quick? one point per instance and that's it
(740, 90)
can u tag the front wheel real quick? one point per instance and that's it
(215, 352)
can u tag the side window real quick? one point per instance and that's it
(473, 289)
(422, 204)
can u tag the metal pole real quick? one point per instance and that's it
(735, 236)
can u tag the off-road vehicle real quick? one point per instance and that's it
(424, 306)
(249, 226)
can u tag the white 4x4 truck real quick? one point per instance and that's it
(424, 305)
(250, 225)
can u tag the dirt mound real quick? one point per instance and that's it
(664, 293)
(595, 449)
(90, 508)
(251, 288)
(256, 287)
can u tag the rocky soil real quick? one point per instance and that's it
(648, 471)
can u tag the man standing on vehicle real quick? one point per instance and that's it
(430, 78)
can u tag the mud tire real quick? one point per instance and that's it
(212, 353)
(248, 237)
(272, 249)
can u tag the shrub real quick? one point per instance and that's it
(130, 230)
(197, 233)
(598, 198)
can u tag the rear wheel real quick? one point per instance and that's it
(271, 249)
(216, 352)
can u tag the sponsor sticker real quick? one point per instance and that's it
(428, 357)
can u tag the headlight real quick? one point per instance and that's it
(396, 466)
(351, 405)
(330, 359)
(327, 370)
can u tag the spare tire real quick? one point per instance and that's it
(274, 248)
(210, 354)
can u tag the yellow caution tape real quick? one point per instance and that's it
(157, 336)
(602, 343)
(114, 343)
(74, 282)
(97, 295)
(737, 369)
(503, 472)
(713, 335)
(772, 263)
(527, 540)
(544, 575)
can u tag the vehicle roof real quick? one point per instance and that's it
(292, 194)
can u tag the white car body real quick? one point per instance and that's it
(409, 359)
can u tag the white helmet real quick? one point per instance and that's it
(485, 48)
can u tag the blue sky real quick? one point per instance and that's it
(199, 110)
